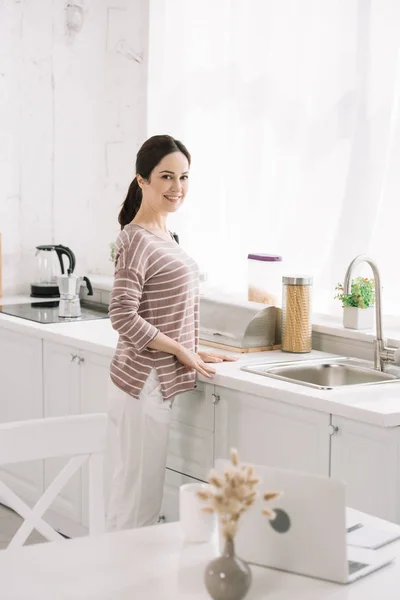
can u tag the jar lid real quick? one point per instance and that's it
(265, 257)
(297, 280)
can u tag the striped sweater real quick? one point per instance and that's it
(155, 289)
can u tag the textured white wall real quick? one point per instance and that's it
(72, 116)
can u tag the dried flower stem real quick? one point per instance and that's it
(234, 493)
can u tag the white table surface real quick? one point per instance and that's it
(155, 563)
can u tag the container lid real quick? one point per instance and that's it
(297, 280)
(265, 257)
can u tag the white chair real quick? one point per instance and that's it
(83, 438)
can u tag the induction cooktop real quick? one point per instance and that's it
(47, 312)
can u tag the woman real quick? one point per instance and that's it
(154, 307)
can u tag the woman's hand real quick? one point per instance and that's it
(193, 361)
(212, 357)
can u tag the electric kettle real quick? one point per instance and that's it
(49, 266)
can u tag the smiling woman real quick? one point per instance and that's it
(154, 307)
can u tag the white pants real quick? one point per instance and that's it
(136, 455)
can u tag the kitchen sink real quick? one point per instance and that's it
(326, 374)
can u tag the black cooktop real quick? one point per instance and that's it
(47, 312)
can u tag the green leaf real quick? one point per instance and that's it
(362, 293)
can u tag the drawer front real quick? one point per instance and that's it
(195, 408)
(170, 503)
(190, 450)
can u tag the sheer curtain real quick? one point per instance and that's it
(290, 112)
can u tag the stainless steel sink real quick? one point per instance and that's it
(326, 374)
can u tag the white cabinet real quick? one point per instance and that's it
(21, 398)
(190, 450)
(366, 458)
(191, 438)
(62, 397)
(94, 377)
(42, 378)
(269, 432)
(191, 445)
(75, 382)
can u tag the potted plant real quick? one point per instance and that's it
(358, 311)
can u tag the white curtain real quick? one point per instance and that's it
(290, 109)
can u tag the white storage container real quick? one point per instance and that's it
(265, 278)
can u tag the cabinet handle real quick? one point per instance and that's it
(333, 430)
(216, 398)
(77, 359)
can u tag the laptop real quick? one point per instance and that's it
(308, 536)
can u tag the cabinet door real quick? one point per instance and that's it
(21, 399)
(94, 377)
(94, 381)
(272, 433)
(191, 438)
(61, 398)
(195, 408)
(366, 458)
(170, 503)
(190, 450)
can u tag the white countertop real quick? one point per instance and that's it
(378, 405)
(154, 563)
(95, 335)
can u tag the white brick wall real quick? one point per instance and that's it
(72, 116)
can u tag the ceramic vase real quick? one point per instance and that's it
(227, 577)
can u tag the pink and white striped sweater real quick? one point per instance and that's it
(155, 289)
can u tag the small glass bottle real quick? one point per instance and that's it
(296, 314)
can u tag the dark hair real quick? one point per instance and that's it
(148, 157)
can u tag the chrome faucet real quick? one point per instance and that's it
(383, 354)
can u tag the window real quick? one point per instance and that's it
(291, 113)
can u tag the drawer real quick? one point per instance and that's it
(190, 450)
(195, 408)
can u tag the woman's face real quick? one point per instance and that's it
(168, 184)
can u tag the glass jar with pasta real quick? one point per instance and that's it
(296, 314)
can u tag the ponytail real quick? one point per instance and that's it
(131, 204)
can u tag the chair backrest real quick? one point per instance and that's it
(81, 437)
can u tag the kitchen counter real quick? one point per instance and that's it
(96, 336)
(377, 405)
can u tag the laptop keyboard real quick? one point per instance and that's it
(355, 566)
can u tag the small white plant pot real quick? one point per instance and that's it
(358, 318)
